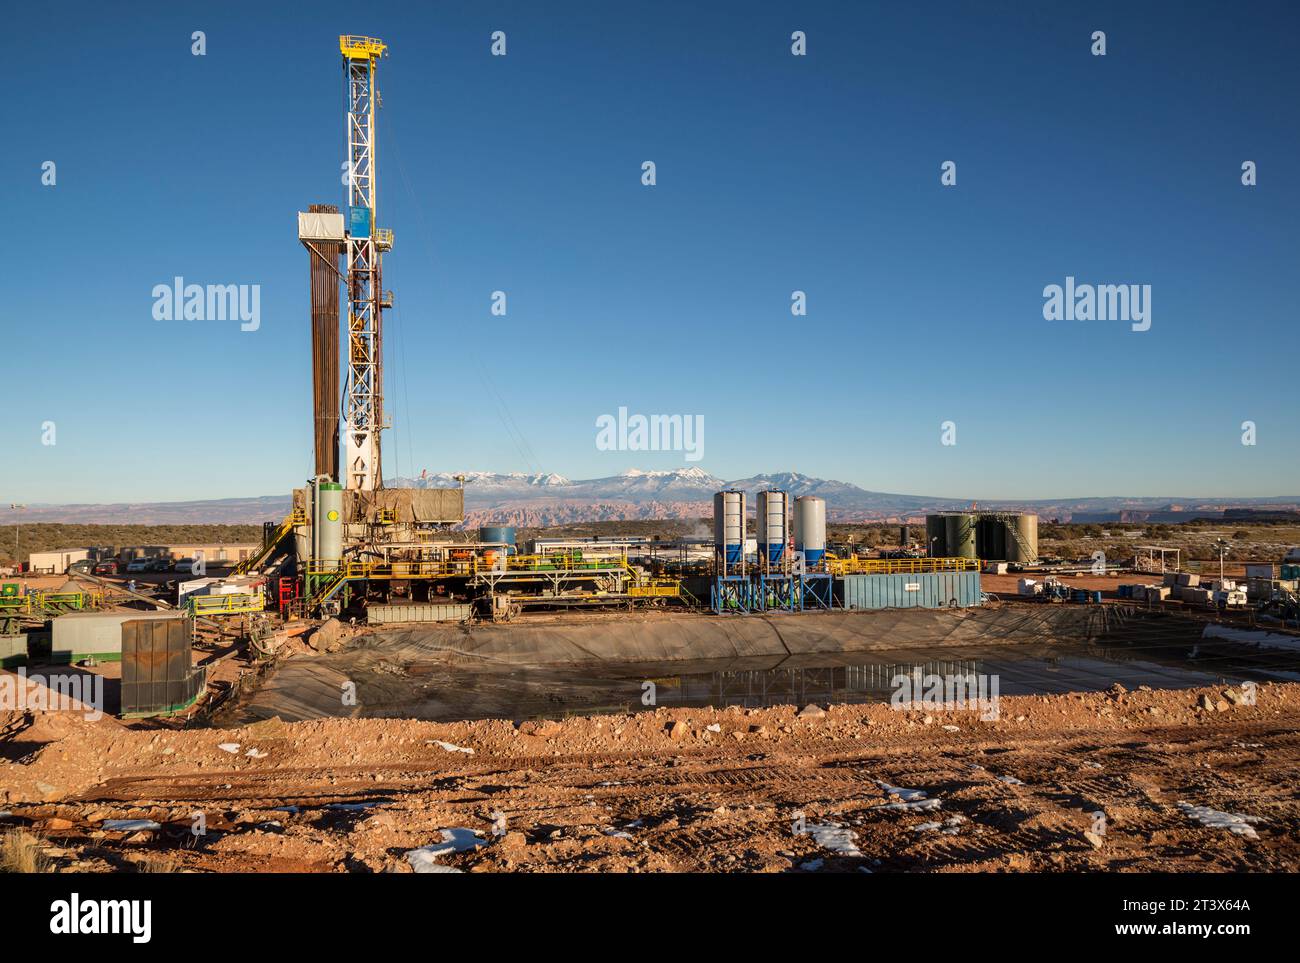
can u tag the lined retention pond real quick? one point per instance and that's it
(393, 679)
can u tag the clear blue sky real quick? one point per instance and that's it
(775, 173)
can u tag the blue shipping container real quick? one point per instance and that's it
(930, 590)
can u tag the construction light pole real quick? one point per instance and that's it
(14, 507)
(1222, 545)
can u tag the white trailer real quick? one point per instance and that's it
(57, 561)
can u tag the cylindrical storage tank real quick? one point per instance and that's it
(773, 510)
(959, 533)
(904, 536)
(810, 528)
(991, 542)
(936, 536)
(1022, 546)
(497, 534)
(729, 525)
(329, 541)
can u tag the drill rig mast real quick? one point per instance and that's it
(363, 402)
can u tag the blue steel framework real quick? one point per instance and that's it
(732, 595)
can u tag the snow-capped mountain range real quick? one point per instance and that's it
(543, 499)
(533, 500)
(549, 499)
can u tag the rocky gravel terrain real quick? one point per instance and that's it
(1194, 780)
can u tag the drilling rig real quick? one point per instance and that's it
(345, 520)
(327, 235)
(349, 544)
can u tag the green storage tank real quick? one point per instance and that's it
(959, 532)
(329, 540)
(992, 538)
(1022, 539)
(936, 538)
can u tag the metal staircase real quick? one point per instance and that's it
(1009, 526)
(254, 563)
(326, 590)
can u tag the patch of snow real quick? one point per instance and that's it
(456, 840)
(231, 747)
(907, 795)
(1260, 637)
(1233, 822)
(256, 753)
(835, 837)
(421, 865)
(129, 825)
(949, 827)
(449, 747)
(1010, 780)
(812, 865)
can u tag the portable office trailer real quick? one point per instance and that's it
(98, 635)
(57, 561)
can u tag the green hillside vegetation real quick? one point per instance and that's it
(43, 537)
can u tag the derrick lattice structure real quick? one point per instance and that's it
(363, 401)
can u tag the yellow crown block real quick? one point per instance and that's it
(356, 47)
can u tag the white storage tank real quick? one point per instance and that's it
(729, 526)
(773, 512)
(810, 528)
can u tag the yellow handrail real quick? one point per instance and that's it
(657, 588)
(295, 517)
(474, 564)
(229, 604)
(34, 602)
(899, 566)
